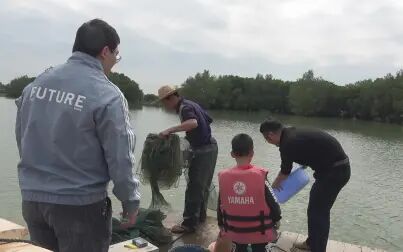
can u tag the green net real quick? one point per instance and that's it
(161, 166)
(148, 225)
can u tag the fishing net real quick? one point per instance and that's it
(162, 162)
(161, 166)
(148, 225)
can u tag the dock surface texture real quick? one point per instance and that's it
(205, 234)
(208, 231)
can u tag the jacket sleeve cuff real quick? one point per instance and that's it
(130, 206)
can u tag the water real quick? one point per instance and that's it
(368, 211)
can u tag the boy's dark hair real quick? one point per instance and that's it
(271, 125)
(93, 36)
(242, 145)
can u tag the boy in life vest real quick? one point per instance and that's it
(248, 213)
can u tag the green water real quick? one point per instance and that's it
(369, 210)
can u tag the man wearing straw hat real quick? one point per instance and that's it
(196, 123)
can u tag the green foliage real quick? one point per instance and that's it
(237, 93)
(150, 99)
(2, 88)
(312, 96)
(129, 88)
(15, 87)
(380, 99)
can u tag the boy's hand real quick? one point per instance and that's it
(129, 219)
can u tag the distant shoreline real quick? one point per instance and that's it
(283, 114)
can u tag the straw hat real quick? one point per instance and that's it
(166, 91)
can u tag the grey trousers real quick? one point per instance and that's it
(66, 228)
(201, 172)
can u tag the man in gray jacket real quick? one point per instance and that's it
(74, 136)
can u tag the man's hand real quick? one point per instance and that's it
(165, 133)
(128, 220)
(186, 126)
(278, 181)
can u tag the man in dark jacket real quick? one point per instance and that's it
(325, 155)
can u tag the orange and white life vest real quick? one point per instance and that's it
(243, 205)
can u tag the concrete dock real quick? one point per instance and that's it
(208, 232)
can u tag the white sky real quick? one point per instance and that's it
(164, 42)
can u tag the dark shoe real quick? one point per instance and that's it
(302, 246)
(181, 229)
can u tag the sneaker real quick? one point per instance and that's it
(182, 229)
(302, 246)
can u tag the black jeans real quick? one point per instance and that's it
(65, 228)
(201, 172)
(322, 197)
(261, 247)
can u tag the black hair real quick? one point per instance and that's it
(93, 36)
(242, 145)
(270, 125)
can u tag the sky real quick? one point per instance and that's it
(164, 42)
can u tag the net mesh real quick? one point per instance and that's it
(161, 166)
